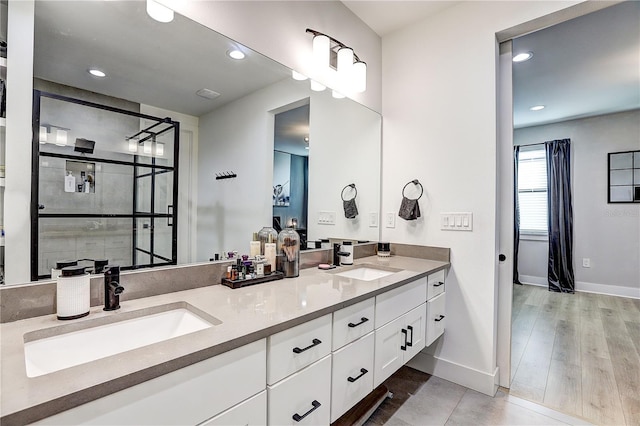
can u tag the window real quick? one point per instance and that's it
(532, 190)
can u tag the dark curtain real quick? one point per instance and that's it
(516, 215)
(560, 216)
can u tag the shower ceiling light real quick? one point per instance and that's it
(61, 137)
(159, 149)
(43, 134)
(146, 147)
(521, 57)
(159, 12)
(348, 73)
(97, 73)
(236, 54)
(133, 145)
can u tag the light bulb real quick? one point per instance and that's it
(317, 87)
(43, 134)
(321, 51)
(297, 76)
(337, 95)
(159, 149)
(133, 145)
(146, 147)
(359, 75)
(159, 12)
(61, 137)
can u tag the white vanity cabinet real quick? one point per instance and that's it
(252, 412)
(352, 322)
(190, 395)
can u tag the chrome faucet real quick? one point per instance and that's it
(337, 254)
(112, 287)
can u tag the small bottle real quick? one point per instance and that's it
(69, 182)
(347, 247)
(87, 186)
(270, 252)
(228, 272)
(254, 246)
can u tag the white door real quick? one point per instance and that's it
(389, 355)
(504, 216)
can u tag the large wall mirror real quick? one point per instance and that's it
(228, 110)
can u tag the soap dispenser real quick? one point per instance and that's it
(73, 293)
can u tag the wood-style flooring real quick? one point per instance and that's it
(577, 353)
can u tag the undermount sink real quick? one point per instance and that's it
(69, 345)
(365, 273)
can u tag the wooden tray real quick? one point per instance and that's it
(251, 281)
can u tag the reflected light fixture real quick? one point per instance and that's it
(537, 108)
(236, 54)
(133, 145)
(317, 87)
(159, 149)
(347, 70)
(43, 137)
(521, 57)
(337, 94)
(146, 147)
(61, 137)
(297, 76)
(159, 12)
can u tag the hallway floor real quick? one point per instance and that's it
(577, 353)
(420, 400)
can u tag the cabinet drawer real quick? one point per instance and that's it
(295, 348)
(435, 318)
(352, 322)
(190, 395)
(252, 412)
(304, 396)
(351, 375)
(392, 304)
(435, 284)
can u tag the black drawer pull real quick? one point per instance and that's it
(410, 342)
(439, 319)
(297, 417)
(438, 284)
(363, 371)
(316, 342)
(404, 347)
(362, 321)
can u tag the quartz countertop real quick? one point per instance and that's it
(246, 314)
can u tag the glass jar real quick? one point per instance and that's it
(288, 253)
(266, 235)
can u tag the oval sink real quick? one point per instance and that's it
(365, 273)
(69, 345)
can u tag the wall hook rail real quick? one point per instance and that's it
(225, 175)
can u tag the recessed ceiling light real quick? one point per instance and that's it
(159, 12)
(235, 54)
(521, 57)
(97, 73)
(537, 108)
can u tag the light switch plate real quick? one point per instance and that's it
(390, 220)
(373, 219)
(456, 221)
(326, 218)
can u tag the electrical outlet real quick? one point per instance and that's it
(586, 262)
(373, 219)
(390, 220)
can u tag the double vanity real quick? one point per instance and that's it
(295, 351)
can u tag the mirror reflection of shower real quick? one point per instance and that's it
(291, 169)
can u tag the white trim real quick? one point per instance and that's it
(608, 289)
(471, 378)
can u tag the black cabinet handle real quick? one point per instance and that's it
(410, 342)
(362, 321)
(438, 284)
(316, 342)
(297, 417)
(439, 319)
(404, 347)
(363, 371)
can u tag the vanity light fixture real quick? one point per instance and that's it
(337, 94)
(297, 76)
(236, 54)
(133, 145)
(146, 147)
(317, 87)
(537, 108)
(61, 137)
(159, 149)
(44, 135)
(337, 62)
(97, 73)
(521, 57)
(159, 12)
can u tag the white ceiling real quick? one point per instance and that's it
(583, 67)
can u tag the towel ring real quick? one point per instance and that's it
(415, 182)
(351, 185)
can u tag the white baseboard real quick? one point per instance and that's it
(611, 290)
(456, 373)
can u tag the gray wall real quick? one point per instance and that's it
(298, 201)
(607, 234)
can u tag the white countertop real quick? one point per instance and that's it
(247, 314)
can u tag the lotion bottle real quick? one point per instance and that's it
(270, 252)
(254, 246)
(69, 183)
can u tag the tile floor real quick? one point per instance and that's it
(420, 400)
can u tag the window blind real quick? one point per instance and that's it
(532, 191)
